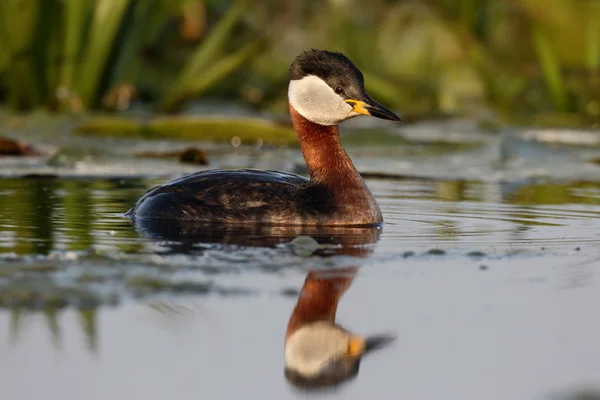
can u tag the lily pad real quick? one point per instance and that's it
(11, 147)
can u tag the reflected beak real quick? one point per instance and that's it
(372, 108)
(376, 342)
(357, 346)
(360, 345)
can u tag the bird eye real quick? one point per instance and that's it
(339, 90)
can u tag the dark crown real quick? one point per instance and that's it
(324, 64)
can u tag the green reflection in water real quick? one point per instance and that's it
(39, 216)
(21, 319)
(77, 214)
(556, 194)
(42, 215)
(88, 322)
(27, 208)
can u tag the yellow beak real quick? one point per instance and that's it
(372, 108)
(359, 106)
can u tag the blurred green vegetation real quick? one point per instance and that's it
(531, 61)
(247, 130)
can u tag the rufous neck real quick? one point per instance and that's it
(319, 297)
(325, 157)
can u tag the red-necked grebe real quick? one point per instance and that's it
(325, 89)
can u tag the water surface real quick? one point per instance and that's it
(485, 271)
(488, 288)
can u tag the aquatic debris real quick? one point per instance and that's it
(12, 147)
(159, 154)
(407, 254)
(40, 268)
(483, 267)
(476, 253)
(234, 291)
(142, 285)
(90, 278)
(290, 292)
(436, 252)
(218, 129)
(190, 155)
(194, 156)
(191, 287)
(304, 246)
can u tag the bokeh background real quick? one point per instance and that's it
(533, 62)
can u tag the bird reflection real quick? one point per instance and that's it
(319, 353)
(184, 236)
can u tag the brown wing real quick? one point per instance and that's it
(219, 196)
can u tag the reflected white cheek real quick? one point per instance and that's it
(317, 102)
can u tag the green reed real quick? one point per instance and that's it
(69, 54)
(424, 58)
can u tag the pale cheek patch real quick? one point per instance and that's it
(311, 347)
(317, 102)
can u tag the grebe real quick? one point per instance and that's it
(325, 89)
